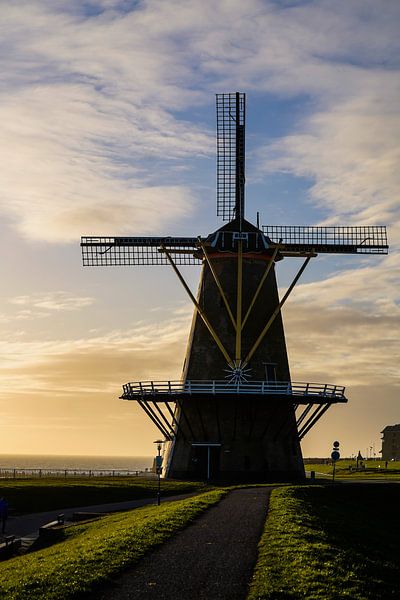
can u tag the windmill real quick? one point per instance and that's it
(235, 414)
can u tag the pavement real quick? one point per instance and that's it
(28, 525)
(213, 558)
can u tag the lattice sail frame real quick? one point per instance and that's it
(292, 240)
(137, 251)
(369, 239)
(231, 116)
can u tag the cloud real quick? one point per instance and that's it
(344, 345)
(97, 363)
(76, 176)
(351, 153)
(372, 289)
(91, 96)
(345, 327)
(353, 338)
(100, 135)
(63, 395)
(58, 384)
(54, 301)
(87, 129)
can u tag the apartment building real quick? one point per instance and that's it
(391, 442)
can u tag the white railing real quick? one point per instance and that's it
(219, 387)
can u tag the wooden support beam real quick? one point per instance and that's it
(198, 308)
(180, 404)
(271, 419)
(312, 421)
(303, 415)
(178, 428)
(163, 417)
(239, 298)
(202, 427)
(150, 413)
(276, 311)
(218, 283)
(286, 424)
(263, 278)
(215, 400)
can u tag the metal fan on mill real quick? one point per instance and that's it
(235, 415)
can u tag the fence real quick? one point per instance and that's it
(21, 473)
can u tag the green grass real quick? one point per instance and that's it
(93, 552)
(373, 469)
(33, 495)
(330, 542)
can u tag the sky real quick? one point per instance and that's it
(107, 118)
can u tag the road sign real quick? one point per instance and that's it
(335, 455)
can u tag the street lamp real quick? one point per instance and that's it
(159, 469)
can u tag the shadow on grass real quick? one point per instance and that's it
(362, 521)
(330, 542)
(32, 495)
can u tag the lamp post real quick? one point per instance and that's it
(158, 469)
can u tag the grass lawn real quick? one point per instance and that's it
(330, 542)
(93, 552)
(373, 469)
(33, 495)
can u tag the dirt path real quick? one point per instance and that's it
(211, 559)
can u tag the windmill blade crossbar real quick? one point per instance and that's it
(131, 251)
(230, 154)
(370, 239)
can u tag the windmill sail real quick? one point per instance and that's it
(370, 239)
(231, 114)
(132, 251)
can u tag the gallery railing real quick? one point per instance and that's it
(218, 387)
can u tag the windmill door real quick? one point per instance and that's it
(206, 461)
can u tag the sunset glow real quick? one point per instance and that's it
(107, 117)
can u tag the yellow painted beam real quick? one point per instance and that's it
(239, 300)
(218, 283)
(198, 307)
(276, 311)
(263, 278)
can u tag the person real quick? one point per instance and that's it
(3, 513)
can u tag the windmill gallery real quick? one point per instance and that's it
(235, 415)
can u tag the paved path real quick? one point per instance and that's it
(26, 525)
(211, 559)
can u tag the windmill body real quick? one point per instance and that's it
(235, 415)
(247, 437)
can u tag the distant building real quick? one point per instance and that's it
(391, 442)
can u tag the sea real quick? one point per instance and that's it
(45, 461)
